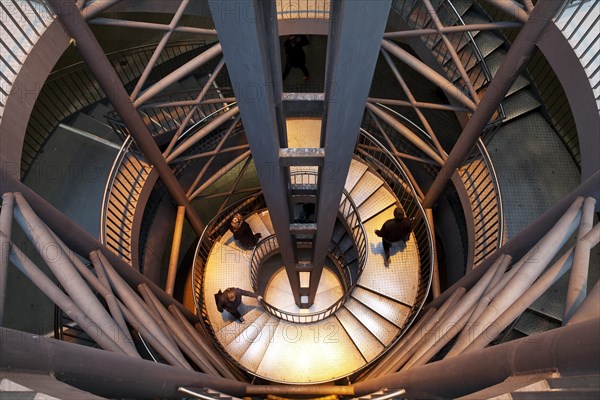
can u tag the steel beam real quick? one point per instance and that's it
(109, 81)
(516, 59)
(79, 240)
(572, 350)
(517, 246)
(101, 372)
(352, 51)
(251, 50)
(6, 220)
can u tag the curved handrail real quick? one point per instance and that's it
(121, 192)
(127, 183)
(160, 120)
(296, 9)
(485, 198)
(422, 19)
(485, 241)
(480, 58)
(269, 246)
(349, 213)
(377, 155)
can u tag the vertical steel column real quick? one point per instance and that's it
(105, 74)
(249, 37)
(355, 34)
(6, 219)
(513, 63)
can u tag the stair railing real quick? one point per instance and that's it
(71, 89)
(291, 9)
(24, 22)
(269, 246)
(417, 17)
(370, 150)
(213, 231)
(121, 194)
(480, 181)
(163, 120)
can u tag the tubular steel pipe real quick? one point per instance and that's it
(534, 264)
(466, 335)
(216, 358)
(578, 280)
(455, 319)
(590, 309)
(179, 333)
(532, 294)
(154, 313)
(139, 309)
(65, 271)
(520, 244)
(174, 258)
(101, 372)
(45, 284)
(407, 133)
(572, 350)
(6, 219)
(383, 366)
(205, 130)
(444, 84)
(79, 240)
(109, 81)
(411, 345)
(516, 59)
(178, 74)
(111, 300)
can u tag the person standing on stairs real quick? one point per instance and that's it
(242, 232)
(231, 299)
(394, 230)
(294, 55)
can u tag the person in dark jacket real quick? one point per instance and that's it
(394, 230)
(231, 299)
(294, 55)
(242, 232)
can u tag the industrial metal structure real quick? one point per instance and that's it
(132, 132)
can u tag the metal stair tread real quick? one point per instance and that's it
(255, 352)
(247, 333)
(257, 225)
(581, 381)
(381, 199)
(556, 395)
(519, 103)
(309, 353)
(233, 329)
(224, 269)
(368, 345)
(393, 311)
(356, 171)
(365, 187)
(547, 305)
(380, 327)
(266, 220)
(488, 42)
(530, 323)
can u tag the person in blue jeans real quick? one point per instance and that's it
(230, 300)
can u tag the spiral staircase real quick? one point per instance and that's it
(364, 308)
(360, 330)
